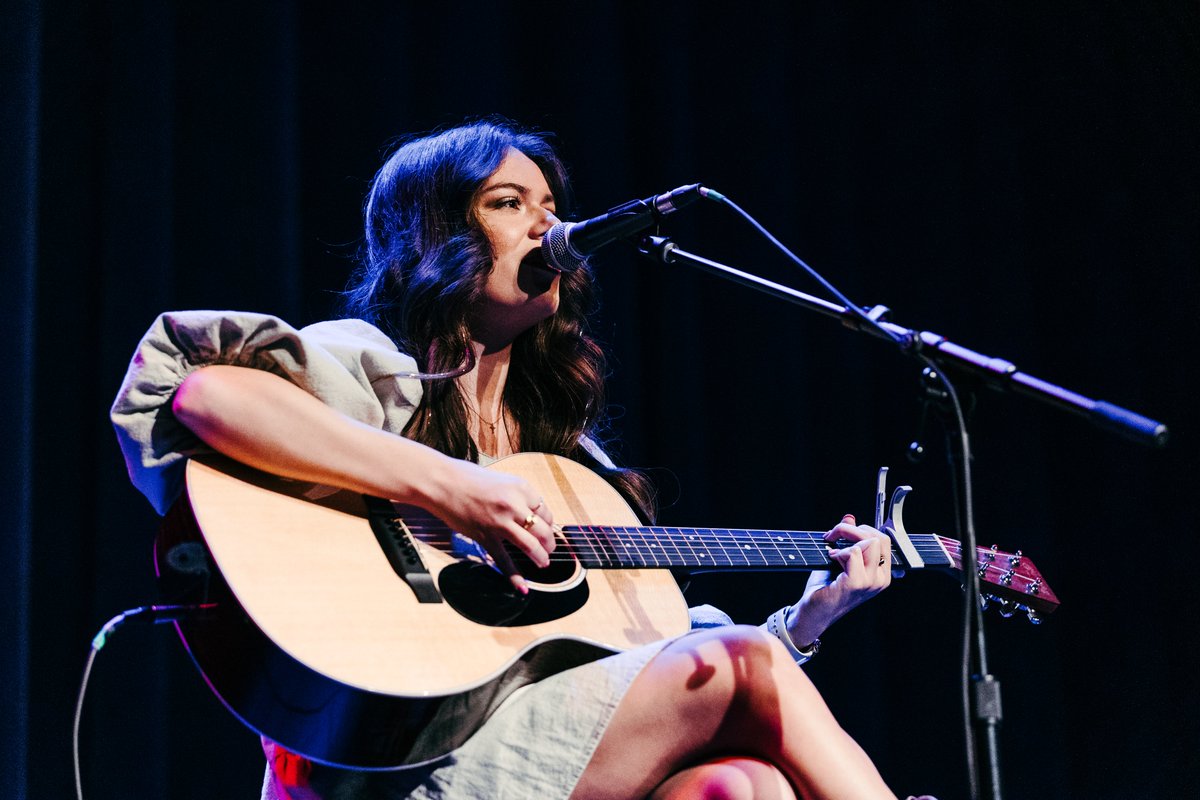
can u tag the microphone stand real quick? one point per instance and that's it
(982, 698)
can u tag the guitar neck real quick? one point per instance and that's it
(638, 547)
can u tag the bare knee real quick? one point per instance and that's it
(750, 660)
(713, 692)
(729, 674)
(734, 778)
(748, 650)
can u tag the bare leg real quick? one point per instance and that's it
(733, 778)
(722, 692)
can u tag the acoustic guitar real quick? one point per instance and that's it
(343, 627)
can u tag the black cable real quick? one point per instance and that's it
(717, 197)
(142, 614)
(964, 506)
(972, 621)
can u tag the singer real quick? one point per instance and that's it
(453, 284)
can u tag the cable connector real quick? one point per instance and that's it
(151, 615)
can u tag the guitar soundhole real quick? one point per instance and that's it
(562, 568)
(483, 595)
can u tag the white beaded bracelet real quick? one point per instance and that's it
(777, 626)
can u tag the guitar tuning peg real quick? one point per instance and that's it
(1014, 560)
(1007, 609)
(1034, 617)
(985, 601)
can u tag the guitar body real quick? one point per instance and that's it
(319, 644)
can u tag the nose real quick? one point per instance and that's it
(545, 222)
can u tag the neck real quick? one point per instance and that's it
(484, 385)
(483, 392)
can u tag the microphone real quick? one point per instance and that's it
(568, 244)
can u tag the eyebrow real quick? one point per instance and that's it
(516, 187)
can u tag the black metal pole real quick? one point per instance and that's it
(982, 701)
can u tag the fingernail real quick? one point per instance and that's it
(848, 518)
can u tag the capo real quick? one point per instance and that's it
(893, 525)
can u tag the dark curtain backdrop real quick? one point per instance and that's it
(1020, 177)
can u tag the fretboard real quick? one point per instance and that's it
(635, 547)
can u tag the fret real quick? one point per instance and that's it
(675, 535)
(578, 546)
(647, 547)
(693, 547)
(686, 540)
(802, 548)
(774, 539)
(934, 549)
(603, 546)
(588, 547)
(751, 543)
(729, 549)
(622, 547)
(664, 539)
(633, 551)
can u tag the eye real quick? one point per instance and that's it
(507, 202)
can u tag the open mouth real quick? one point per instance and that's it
(535, 276)
(535, 260)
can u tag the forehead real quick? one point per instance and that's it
(518, 170)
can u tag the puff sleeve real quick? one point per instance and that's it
(347, 364)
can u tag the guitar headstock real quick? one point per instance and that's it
(1011, 580)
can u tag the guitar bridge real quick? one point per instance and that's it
(398, 544)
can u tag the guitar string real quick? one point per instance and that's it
(732, 544)
(594, 543)
(723, 538)
(677, 537)
(813, 554)
(689, 538)
(726, 537)
(602, 548)
(737, 535)
(605, 549)
(600, 559)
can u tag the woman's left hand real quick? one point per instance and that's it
(866, 571)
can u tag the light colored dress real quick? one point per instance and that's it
(543, 727)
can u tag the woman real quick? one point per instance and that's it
(453, 282)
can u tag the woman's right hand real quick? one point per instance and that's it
(495, 508)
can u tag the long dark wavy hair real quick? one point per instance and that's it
(423, 267)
